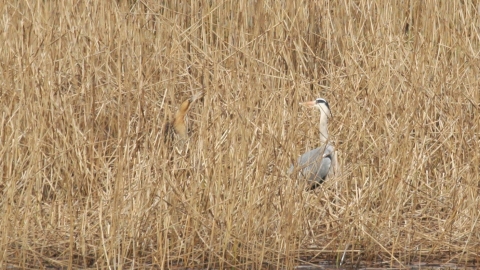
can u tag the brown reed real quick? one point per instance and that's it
(89, 182)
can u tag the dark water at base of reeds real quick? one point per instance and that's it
(417, 266)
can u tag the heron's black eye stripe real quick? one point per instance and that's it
(321, 100)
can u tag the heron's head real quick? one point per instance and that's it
(320, 104)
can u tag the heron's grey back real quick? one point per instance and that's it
(315, 164)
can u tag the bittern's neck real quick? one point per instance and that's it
(323, 128)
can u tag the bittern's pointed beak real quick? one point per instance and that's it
(308, 104)
(196, 96)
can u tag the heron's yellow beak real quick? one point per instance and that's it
(308, 104)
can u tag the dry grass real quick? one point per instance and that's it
(88, 181)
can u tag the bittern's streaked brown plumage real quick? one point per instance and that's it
(177, 125)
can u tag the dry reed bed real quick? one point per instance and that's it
(88, 180)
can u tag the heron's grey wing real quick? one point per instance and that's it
(332, 154)
(324, 169)
(328, 150)
(314, 165)
(306, 160)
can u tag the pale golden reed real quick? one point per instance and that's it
(87, 87)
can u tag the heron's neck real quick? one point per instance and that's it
(323, 128)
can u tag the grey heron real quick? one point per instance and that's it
(315, 165)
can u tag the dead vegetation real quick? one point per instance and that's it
(88, 182)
